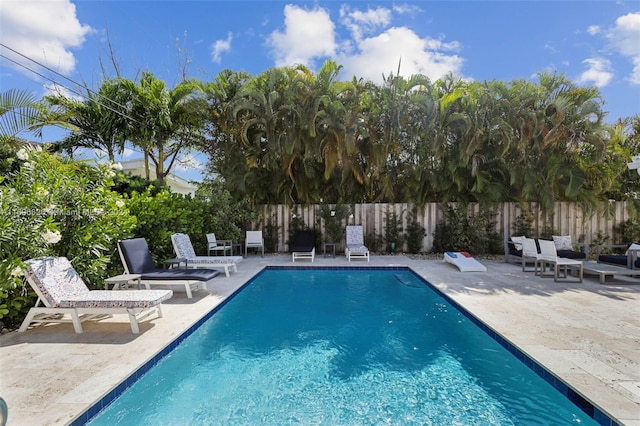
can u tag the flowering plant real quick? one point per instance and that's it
(55, 207)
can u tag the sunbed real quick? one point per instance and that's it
(184, 251)
(354, 247)
(136, 259)
(61, 291)
(304, 246)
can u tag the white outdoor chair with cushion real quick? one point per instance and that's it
(215, 245)
(255, 240)
(530, 254)
(62, 291)
(561, 265)
(355, 247)
(184, 250)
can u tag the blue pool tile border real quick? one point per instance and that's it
(587, 407)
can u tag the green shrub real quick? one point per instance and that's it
(627, 232)
(334, 218)
(523, 225)
(460, 232)
(415, 233)
(53, 207)
(166, 213)
(393, 236)
(271, 236)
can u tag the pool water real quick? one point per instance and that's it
(340, 347)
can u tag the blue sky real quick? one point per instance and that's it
(595, 43)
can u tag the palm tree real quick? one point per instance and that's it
(99, 122)
(168, 121)
(20, 112)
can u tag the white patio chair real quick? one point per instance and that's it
(218, 245)
(255, 240)
(561, 265)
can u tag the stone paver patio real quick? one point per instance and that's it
(586, 333)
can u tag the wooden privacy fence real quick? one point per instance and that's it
(567, 219)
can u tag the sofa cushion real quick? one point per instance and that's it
(571, 254)
(562, 242)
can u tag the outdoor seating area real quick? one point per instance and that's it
(561, 256)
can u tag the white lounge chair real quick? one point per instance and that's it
(255, 240)
(62, 291)
(184, 251)
(354, 247)
(561, 265)
(464, 261)
(136, 259)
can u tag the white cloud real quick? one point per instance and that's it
(625, 38)
(593, 29)
(360, 23)
(406, 8)
(598, 72)
(381, 54)
(372, 50)
(220, 47)
(44, 31)
(308, 34)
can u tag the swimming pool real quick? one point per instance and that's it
(320, 346)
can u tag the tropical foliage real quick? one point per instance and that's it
(297, 138)
(53, 207)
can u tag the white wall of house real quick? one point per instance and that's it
(176, 183)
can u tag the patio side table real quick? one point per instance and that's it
(175, 263)
(121, 281)
(333, 249)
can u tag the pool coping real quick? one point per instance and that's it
(575, 397)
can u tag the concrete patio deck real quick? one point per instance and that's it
(586, 333)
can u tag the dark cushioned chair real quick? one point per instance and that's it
(136, 259)
(630, 260)
(304, 246)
